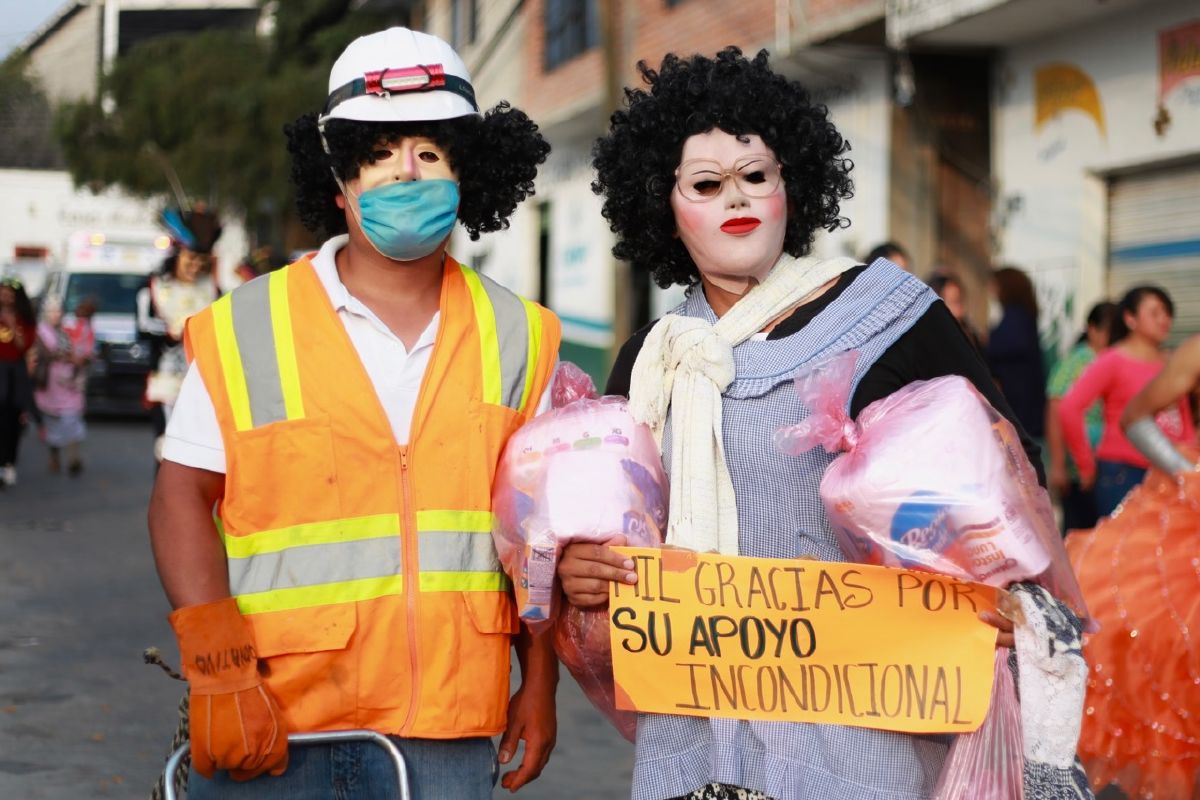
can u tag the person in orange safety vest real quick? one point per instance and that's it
(322, 520)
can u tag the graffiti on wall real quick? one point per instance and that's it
(1056, 282)
(1178, 56)
(1058, 88)
(1178, 61)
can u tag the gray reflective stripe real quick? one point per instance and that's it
(251, 305)
(455, 551)
(512, 332)
(315, 564)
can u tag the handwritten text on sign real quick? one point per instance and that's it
(802, 641)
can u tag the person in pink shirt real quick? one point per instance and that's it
(63, 352)
(1136, 355)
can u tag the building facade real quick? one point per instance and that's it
(68, 55)
(41, 208)
(74, 47)
(1094, 177)
(565, 63)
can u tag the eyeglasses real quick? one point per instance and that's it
(700, 179)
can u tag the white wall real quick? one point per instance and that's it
(863, 117)
(581, 278)
(509, 256)
(68, 62)
(580, 265)
(41, 208)
(1052, 179)
(582, 289)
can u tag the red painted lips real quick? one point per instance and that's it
(740, 225)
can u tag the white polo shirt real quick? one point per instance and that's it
(193, 435)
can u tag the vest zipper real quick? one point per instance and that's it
(411, 586)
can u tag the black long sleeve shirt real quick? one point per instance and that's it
(934, 346)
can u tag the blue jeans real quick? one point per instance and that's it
(449, 769)
(1114, 480)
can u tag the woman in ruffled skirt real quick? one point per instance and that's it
(1140, 573)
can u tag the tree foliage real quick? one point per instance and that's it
(26, 120)
(210, 108)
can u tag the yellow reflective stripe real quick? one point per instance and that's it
(231, 363)
(464, 521)
(322, 595)
(285, 345)
(535, 342)
(464, 582)
(329, 532)
(489, 341)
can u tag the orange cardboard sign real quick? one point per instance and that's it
(801, 641)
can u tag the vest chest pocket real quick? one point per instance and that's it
(281, 460)
(309, 665)
(303, 630)
(492, 612)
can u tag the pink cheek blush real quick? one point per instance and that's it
(691, 217)
(774, 208)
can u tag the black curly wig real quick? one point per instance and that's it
(496, 157)
(635, 163)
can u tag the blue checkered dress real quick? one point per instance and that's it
(780, 516)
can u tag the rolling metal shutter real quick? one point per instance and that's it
(1154, 237)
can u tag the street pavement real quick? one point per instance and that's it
(80, 715)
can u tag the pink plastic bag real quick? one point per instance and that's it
(934, 479)
(581, 640)
(988, 763)
(570, 384)
(585, 471)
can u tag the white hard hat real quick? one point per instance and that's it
(399, 75)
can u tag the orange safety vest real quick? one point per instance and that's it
(366, 569)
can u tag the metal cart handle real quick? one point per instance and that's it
(327, 737)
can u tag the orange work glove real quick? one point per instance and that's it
(235, 723)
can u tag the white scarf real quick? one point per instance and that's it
(684, 366)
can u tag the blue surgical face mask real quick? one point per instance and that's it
(407, 220)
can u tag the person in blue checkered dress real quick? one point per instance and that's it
(716, 168)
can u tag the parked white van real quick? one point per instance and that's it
(111, 271)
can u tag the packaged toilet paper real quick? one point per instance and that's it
(582, 472)
(932, 478)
